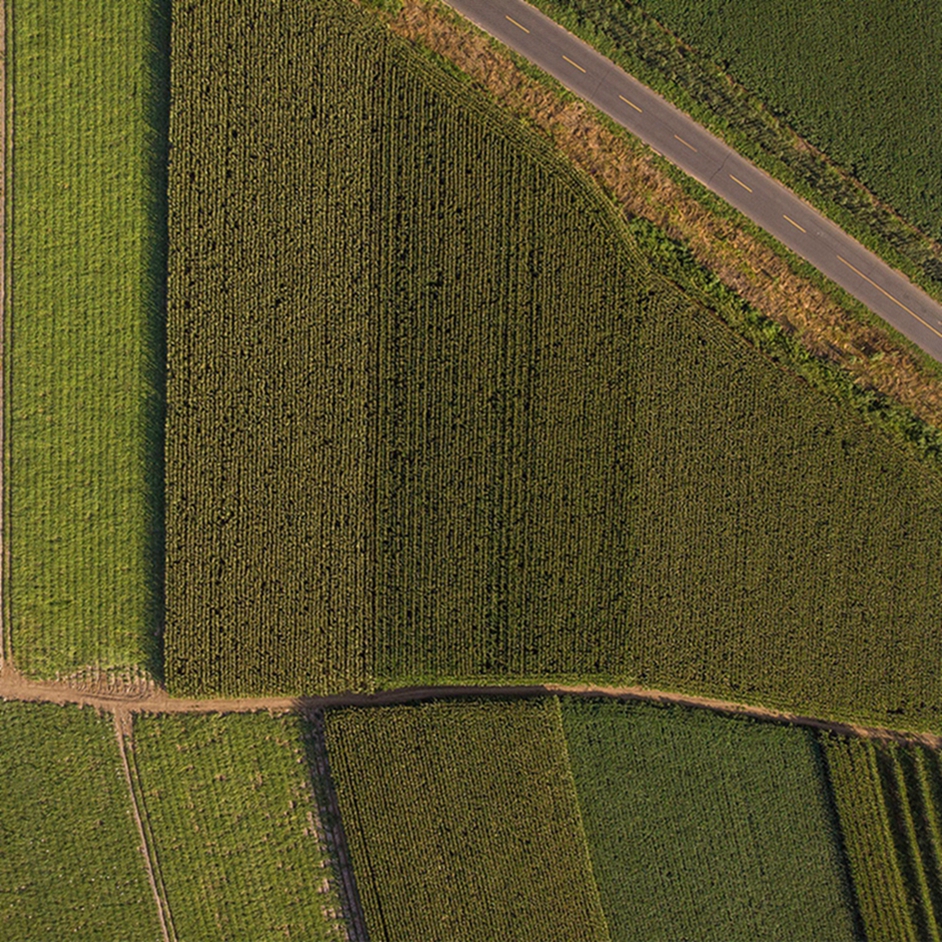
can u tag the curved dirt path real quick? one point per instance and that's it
(14, 686)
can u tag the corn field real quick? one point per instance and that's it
(463, 822)
(433, 418)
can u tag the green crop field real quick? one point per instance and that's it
(706, 827)
(866, 96)
(236, 828)
(861, 81)
(433, 418)
(84, 356)
(889, 799)
(462, 822)
(70, 860)
(367, 458)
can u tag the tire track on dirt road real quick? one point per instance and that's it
(153, 699)
(123, 727)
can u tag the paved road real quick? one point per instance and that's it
(695, 150)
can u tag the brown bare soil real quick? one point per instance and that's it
(153, 699)
(633, 177)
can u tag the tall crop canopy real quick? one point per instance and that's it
(463, 823)
(431, 416)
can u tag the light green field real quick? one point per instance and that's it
(85, 355)
(705, 827)
(463, 824)
(70, 860)
(235, 826)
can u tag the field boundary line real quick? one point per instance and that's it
(6, 140)
(563, 747)
(14, 686)
(123, 727)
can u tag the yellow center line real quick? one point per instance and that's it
(743, 185)
(633, 105)
(888, 295)
(682, 141)
(512, 20)
(576, 64)
(795, 224)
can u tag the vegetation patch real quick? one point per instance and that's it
(705, 827)
(434, 418)
(70, 860)
(889, 799)
(463, 822)
(83, 327)
(234, 822)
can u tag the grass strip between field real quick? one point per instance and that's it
(84, 335)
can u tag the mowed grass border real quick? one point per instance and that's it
(84, 336)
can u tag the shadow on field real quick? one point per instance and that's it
(332, 838)
(837, 832)
(156, 103)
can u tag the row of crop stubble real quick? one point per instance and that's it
(432, 418)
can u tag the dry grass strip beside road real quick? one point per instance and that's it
(123, 726)
(758, 274)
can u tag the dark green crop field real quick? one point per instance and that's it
(463, 823)
(71, 866)
(861, 81)
(433, 418)
(705, 827)
(84, 371)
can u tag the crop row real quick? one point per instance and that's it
(889, 802)
(530, 819)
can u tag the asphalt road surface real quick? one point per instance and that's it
(696, 151)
